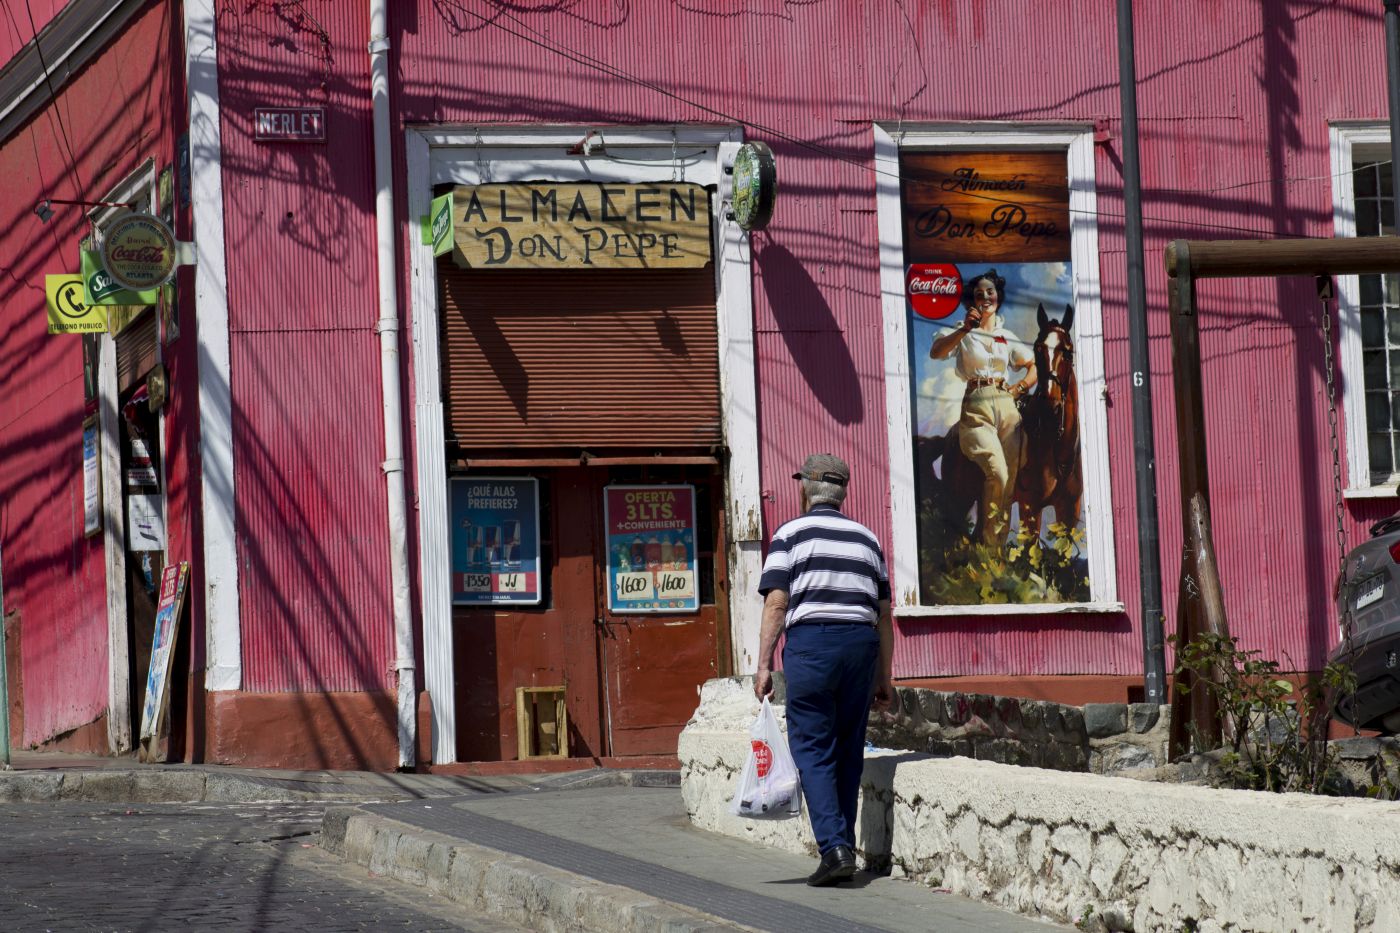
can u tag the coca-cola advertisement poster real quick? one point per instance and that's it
(651, 548)
(496, 541)
(990, 311)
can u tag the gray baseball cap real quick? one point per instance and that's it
(824, 468)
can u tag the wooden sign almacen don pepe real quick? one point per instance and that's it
(544, 225)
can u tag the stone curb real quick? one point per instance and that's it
(507, 887)
(197, 785)
(141, 786)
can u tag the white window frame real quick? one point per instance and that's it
(1345, 139)
(1078, 141)
(468, 155)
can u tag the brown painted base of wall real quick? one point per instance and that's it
(14, 678)
(554, 765)
(1074, 689)
(302, 731)
(88, 739)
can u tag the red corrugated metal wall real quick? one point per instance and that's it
(308, 423)
(115, 117)
(16, 29)
(1234, 97)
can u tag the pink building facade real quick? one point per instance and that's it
(916, 150)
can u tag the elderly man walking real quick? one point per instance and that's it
(826, 585)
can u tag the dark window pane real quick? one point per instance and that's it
(1394, 367)
(1370, 289)
(1378, 411)
(1373, 323)
(1394, 409)
(1392, 322)
(704, 536)
(1387, 217)
(1368, 220)
(1373, 366)
(1384, 174)
(1380, 454)
(1364, 181)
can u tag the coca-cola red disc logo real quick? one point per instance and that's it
(138, 251)
(762, 756)
(934, 289)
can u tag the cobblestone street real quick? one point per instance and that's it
(146, 867)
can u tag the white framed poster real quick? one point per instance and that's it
(496, 541)
(651, 548)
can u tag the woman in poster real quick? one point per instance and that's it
(989, 429)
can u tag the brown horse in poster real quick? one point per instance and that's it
(1050, 473)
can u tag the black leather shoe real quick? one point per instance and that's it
(838, 864)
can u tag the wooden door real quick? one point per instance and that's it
(654, 663)
(552, 644)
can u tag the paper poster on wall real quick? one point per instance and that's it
(495, 541)
(92, 479)
(145, 523)
(990, 294)
(140, 471)
(651, 548)
(172, 597)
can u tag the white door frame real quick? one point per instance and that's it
(139, 190)
(472, 155)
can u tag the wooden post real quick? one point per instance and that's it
(1200, 598)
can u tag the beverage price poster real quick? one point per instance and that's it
(495, 541)
(651, 548)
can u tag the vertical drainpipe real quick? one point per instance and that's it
(388, 328)
(1392, 68)
(1144, 444)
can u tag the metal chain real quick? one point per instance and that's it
(1330, 363)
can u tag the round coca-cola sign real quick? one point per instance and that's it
(138, 251)
(934, 289)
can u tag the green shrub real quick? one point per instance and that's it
(1275, 742)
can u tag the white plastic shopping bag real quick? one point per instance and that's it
(768, 787)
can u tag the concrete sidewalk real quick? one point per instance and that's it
(581, 851)
(626, 858)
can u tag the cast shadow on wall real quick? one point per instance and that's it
(812, 334)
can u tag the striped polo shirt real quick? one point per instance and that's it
(831, 567)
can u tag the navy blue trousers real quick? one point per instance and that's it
(830, 670)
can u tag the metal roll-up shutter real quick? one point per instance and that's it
(136, 349)
(592, 358)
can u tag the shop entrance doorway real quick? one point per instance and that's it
(630, 678)
(142, 472)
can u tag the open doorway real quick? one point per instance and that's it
(143, 509)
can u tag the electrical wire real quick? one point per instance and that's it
(588, 61)
(53, 99)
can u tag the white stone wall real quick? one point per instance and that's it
(1109, 853)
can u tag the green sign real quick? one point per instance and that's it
(755, 186)
(437, 225)
(99, 288)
